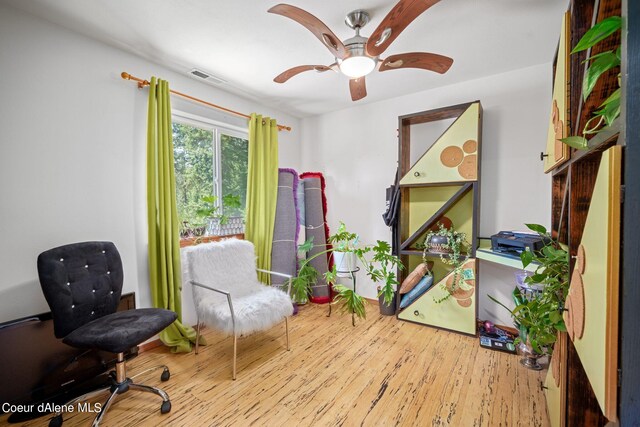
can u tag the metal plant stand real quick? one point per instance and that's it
(352, 275)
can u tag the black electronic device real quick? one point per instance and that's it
(514, 243)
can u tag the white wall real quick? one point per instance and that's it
(72, 151)
(356, 149)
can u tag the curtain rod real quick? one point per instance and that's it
(143, 83)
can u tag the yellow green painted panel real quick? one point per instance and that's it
(457, 313)
(597, 344)
(553, 397)
(454, 156)
(557, 152)
(425, 201)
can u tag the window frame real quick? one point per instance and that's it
(217, 128)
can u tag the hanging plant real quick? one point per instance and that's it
(450, 245)
(609, 110)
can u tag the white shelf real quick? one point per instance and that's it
(486, 254)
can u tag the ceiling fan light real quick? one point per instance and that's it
(357, 66)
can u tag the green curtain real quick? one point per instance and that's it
(164, 239)
(262, 188)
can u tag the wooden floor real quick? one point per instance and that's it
(381, 372)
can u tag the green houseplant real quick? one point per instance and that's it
(377, 261)
(599, 64)
(210, 212)
(539, 319)
(450, 245)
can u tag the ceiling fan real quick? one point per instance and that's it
(358, 56)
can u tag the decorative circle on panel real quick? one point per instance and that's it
(555, 365)
(574, 316)
(451, 156)
(580, 260)
(459, 293)
(446, 223)
(465, 302)
(578, 304)
(469, 166)
(568, 315)
(470, 146)
(464, 290)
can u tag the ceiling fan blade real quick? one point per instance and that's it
(426, 61)
(358, 88)
(291, 72)
(402, 14)
(313, 24)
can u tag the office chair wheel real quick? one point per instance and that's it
(56, 421)
(165, 375)
(166, 407)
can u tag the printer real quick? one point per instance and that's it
(514, 243)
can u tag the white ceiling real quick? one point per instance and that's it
(238, 41)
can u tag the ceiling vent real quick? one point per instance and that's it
(203, 75)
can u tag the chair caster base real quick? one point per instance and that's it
(55, 421)
(166, 407)
(165, 375)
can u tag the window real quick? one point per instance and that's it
(210, 160)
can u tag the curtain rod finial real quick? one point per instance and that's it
(125, 75)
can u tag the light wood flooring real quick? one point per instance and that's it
(382, 372)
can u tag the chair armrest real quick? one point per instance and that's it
(275, 273)
(220, 291)
(194, 283)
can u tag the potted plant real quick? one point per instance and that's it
(214, 219)
(380, 265)
(376, 259)
(609, 110)
(539, 319)
(450, 245)
(307, 275)
(344, 244)
(382, 269)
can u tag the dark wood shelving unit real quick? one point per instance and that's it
(573, 185)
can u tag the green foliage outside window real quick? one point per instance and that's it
(193, 160)
(235, 154)
(195, 171)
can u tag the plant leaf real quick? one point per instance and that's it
(602, 64)
(610, 108)
(330, 276)
(613, 97)
(579, 142)
(588, 128)
(306, 246)
(537, 228)
(591, 58)
(526, 257)
(598, 32)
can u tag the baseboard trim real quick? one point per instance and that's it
(149, 345)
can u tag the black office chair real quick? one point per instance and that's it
(82, 283)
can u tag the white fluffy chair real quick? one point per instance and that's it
(227, 294)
